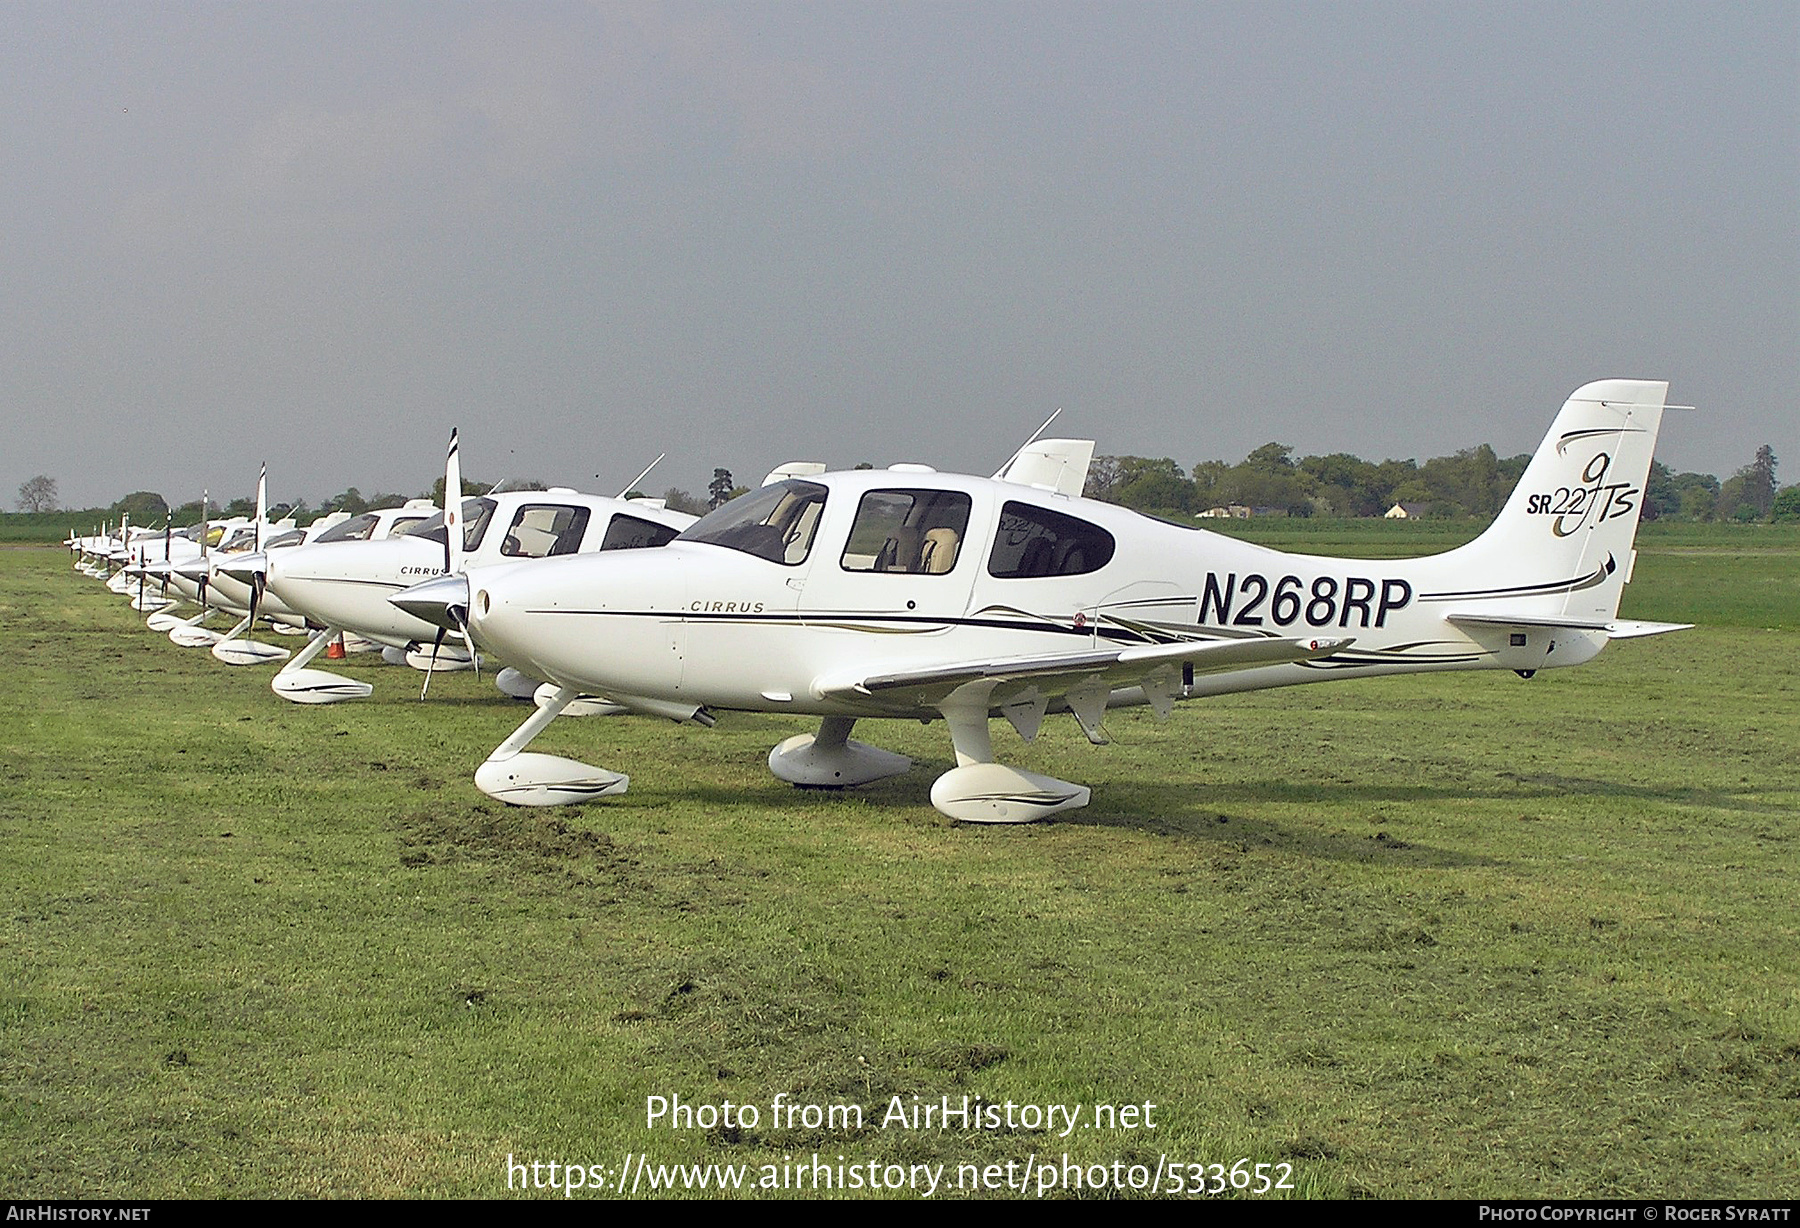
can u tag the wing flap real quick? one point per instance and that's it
(1053, 673)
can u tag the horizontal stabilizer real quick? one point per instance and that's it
(794, 469)
(1631, 629)
(1617, 629)
(1060, 465)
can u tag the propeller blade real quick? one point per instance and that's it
(462, 629)
(429, 665)
(453, 518)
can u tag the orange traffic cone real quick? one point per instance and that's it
(334, 651)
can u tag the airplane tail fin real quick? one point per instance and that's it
(1560, 552)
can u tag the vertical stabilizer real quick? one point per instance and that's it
(1562, 545)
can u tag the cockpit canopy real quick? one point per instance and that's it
(545, 528)
(907, 530)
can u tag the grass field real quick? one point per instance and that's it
(1452, 936)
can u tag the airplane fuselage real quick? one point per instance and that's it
(347, 584)
(728, 629)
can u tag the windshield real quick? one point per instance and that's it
(476, 514)
(630, 533)
(355, 529)
(775, 523)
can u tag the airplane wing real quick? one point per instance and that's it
(1083, 679)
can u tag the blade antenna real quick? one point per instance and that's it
(632, 485)
(1034, 436)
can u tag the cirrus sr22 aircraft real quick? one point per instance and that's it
(342, 584)
(913, 594)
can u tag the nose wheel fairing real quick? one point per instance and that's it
(298, 684)
(831, 759)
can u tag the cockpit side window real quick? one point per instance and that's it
(630, 533)
(776, 523)
(543, 529)
(403, 524)
(291, 538)
(908, 532)
(1035, 542)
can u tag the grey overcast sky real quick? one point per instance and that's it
(746, 233)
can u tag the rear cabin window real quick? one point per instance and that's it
(1034, 542)
(907, 532)
(630, 533)
(543, 529)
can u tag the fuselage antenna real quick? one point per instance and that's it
(1029, 442)
(632, 485)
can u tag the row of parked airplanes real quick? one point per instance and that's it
(899, 593)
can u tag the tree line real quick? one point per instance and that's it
(39, 495)
(1472, 483)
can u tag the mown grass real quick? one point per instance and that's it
(1463, 935)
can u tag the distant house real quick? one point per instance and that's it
(1406, 511)
(1235, 511)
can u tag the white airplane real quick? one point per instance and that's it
(912, 594)
(198, 577)
(341, 587)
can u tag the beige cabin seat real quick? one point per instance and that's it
(938, 554)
